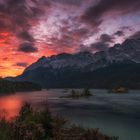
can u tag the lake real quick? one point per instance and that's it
(114, 114)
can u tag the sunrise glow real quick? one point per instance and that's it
(45, 28)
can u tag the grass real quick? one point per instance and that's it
(41, 125)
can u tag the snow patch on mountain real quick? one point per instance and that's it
(128, 51)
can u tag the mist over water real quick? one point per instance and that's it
(114, 114)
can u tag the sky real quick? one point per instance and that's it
(30, 29)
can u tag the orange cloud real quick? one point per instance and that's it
(10, 57)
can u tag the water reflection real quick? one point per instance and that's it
(115, 115)
(10, 106)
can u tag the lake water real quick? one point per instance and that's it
(114, 114)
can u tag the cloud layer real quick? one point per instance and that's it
(95, 14)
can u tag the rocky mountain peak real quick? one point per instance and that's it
(129, 50)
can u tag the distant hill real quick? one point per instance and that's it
(11, 86)
(119, 66)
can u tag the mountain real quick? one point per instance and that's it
(119, 66)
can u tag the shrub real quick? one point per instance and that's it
(41, 125)
(86, 92)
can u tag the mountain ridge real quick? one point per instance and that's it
(57, 70)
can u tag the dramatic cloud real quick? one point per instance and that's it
(30, 29)
(69, 2)
(119, 33)
(102, 44)
(18, 16)
(99, 46)
(26, 36)
(106, 38)
(95, 14)
(27, 48)
(136, 35)
(21, 64)
(69, 38)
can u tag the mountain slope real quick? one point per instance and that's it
(100, 70)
